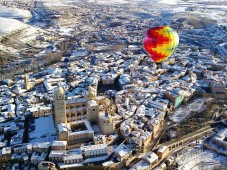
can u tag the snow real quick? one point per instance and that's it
(96, 159)
(8, 49)
(179, 9)
(9, 25)
(169, 1)
(109, 1)
(62, 165)
(223, 48)
(14, 13)
(185, 111)
(29, 34)
(192, 160)
(44, 130)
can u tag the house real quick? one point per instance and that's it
(21, 148)
(59, 145)
(72, 158)
(37, 157)
(45, 165)
(41, 147)
(221, 139)
(56, 155)
(141, 165)
(151, 158)
(122, 152)
(162, 151)
(174, 98)
(94, 150)
(5, 154)
(67, 157)
(217, 87)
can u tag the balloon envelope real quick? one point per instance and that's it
(160, 42)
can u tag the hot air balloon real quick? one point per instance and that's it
(160, 42)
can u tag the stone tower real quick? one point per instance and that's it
(26, 82)
(92, 105)
(106, 122)
(91, 93)
(59, 106)
(92, 110)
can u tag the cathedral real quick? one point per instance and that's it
(73, 118)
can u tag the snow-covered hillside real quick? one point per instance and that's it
(8, 25)
(14, 13)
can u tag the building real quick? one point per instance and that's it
(158, 105)
(59, 145)
(27, 84)
(72, 158)
(217, 87)
(57, 155)
(76, 132)
(170, 160)
(15, 166)
(72, 123)
(59, 107)
(161, 167)
(45, 165)
(106, 123)
(146, 163)
(94, 150)
(221, 139)
(41, 147)
(99, 139)
(67, 157)
(76, 109)
(92, 110)
(102, 111)
(40, 111)
(108, 79)
(5, 154)
(22, 148)
(174, 98)
(155, 123)
(162, 152)
(224, 115)
(122, 152)
(37, 157)
(141, 165)
(51, 83)
(124, 80)
(151, 158)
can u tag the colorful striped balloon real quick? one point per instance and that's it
(160, 42)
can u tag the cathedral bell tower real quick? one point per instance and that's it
(59, 106)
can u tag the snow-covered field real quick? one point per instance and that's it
(15, 13)
(10, 19)
(9, 25)
(109, 1)
(191, 13)
(185, 111)
(44, 130)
